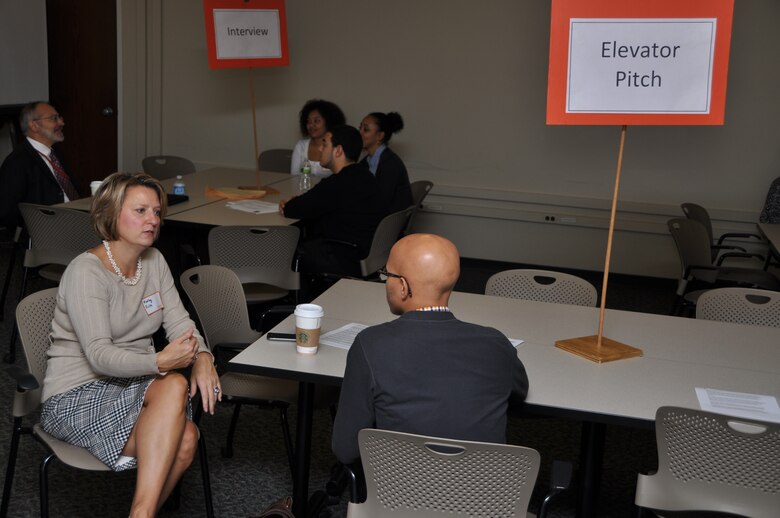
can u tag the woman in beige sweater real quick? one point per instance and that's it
(106, 389)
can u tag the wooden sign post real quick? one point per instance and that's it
(635, 63)
(247, 34)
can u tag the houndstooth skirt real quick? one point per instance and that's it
(99, 416)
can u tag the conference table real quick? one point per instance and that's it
(203, 208)
(680, 355)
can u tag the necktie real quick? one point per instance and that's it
(62, 178)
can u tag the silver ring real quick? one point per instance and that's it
(216, 390)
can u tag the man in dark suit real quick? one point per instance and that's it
(33, 172)
(426, 372)
(341, 213)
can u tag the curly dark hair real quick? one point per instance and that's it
(330, 112)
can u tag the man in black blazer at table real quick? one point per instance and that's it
(426, 372)
(33, 172)
(341, 213)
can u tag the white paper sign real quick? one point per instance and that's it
(739, 404)
(247, 33)
(621, 65)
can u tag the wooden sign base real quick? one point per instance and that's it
(268, 190)
(588, 347)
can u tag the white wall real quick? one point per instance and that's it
(470, 80)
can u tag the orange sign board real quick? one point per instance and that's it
(663, 62)
(246, 33)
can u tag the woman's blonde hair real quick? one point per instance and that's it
(109, 198)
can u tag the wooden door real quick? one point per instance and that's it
(83, 84)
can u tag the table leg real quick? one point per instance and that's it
(303, 448)
(591, 460)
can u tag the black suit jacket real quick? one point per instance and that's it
(25, 177)
(394, 190)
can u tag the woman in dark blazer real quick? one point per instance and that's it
(376, 129)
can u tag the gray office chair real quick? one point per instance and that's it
(275, 160)
(34, 315)
(420, 190)
(218, 300)
(697, 268)
(414, 476)
(711, 462)
(700, 214)
(167, 166)
(262, 257)
(387, 233)
(56, 236)
(542, 286)
(741, 306)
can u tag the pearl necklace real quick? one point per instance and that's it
(125, 280)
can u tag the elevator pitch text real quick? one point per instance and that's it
(632, 79)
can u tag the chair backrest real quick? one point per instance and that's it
(700, 214)
(692, 241)
(275, 160)
(542, 286)
(741, 306)
(712, 462)
(385, 236)
(34, 315)
(57, 234)
(218, 299)
(257, 254)
(420, 190)
(167, 166)
(417, 476)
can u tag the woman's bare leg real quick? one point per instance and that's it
(156, 441)
(184, 456)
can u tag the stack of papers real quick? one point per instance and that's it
(253, 206)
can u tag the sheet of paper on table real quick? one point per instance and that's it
(253, 206)
(739, 404)
(345, 335)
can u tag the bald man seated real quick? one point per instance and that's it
(426, 372)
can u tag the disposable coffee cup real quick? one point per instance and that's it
(94, 186)
(308, 319)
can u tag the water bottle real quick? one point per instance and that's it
(178, 186)
(304, 183)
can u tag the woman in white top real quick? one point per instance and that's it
(317, 117)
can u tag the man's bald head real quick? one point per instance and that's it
(430, 267)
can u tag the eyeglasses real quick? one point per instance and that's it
(384, 274)
(54, 118)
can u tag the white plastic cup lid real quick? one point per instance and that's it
(309, 311)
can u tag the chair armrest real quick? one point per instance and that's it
(353, 492)
(728, 255)
(743, 235)
(728, 247)
(24, 380)
(560, 480)
(340, 242)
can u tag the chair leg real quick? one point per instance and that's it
(11, 357)
(204, 472)
(11, 468)
(7, 281)
(43, 481)
(287, 439)
(227, 450)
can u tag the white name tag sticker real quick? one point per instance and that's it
(152, 303)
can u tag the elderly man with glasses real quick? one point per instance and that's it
(426, 372)
(33, 172)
